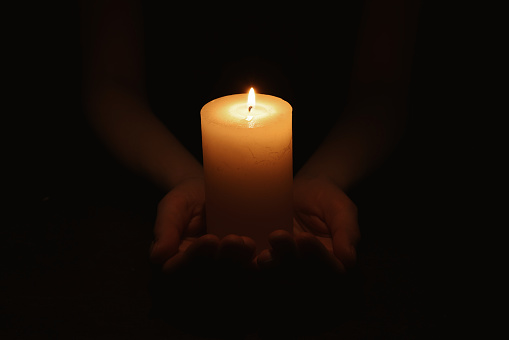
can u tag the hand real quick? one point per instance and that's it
(199, 271)
(304, 272)
(179, 223)
(323, 210)
(325, 227)
(180, 234)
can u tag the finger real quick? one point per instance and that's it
(264, 259)
(249, 243)
(312, 250)
(283, 245)
(236, 249)
(201, 250)
(165, 245)
(283, 250)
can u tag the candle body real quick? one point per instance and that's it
(247, 160)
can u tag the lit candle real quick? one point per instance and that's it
(247, 162)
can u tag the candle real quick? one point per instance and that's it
(247, 163)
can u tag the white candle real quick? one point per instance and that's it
(247, 161)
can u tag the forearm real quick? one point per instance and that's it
(375, 116)
(358, 142)
(114, 94)
(125, 123)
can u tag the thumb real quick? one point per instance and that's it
(344, 230)
(340, 216)
(173, 216)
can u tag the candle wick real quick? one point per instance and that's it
(249, 109)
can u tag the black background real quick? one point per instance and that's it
(78, 225)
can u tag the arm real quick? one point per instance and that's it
(375, 116)
(361, 138)
(116, 105)
(114, 95)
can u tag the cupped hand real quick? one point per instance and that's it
(325, 227)
(304, 272)
(179, 223)
(180, 234)
(199, 271)
(323, 210)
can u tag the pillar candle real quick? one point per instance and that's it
(247, 163)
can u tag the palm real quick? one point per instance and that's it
(323, 210)
(181, 239)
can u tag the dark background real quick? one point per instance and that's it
(77, 225)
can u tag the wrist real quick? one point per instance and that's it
(307, 174)
(189, 176)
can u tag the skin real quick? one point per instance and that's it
(325, 223)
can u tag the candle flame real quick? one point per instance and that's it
(251, 99)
